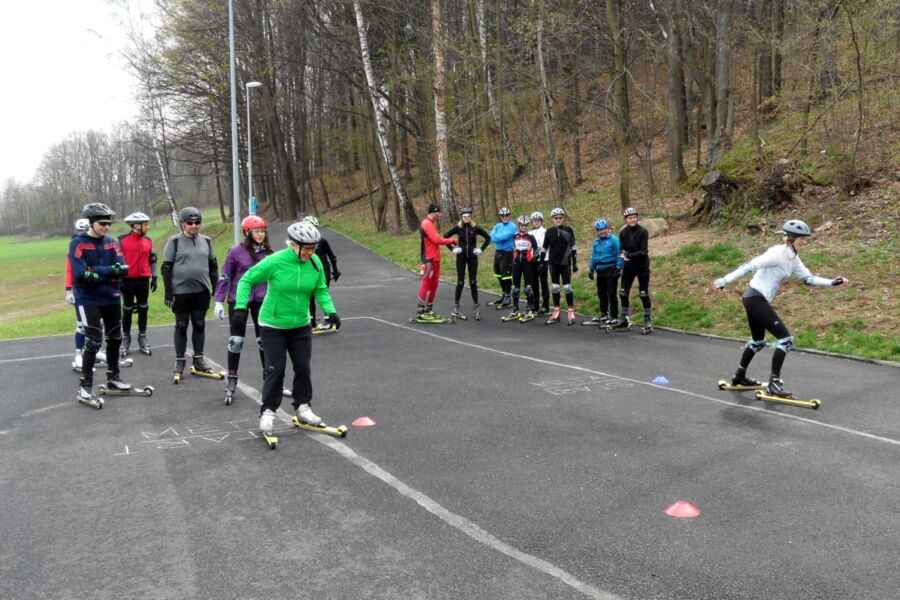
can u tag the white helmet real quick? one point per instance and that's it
(537, 215)
(137, 217)
(796, 228)
(82, 225)
(304, 234)
(556, 212)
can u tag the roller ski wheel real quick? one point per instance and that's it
(526, 316)
(789, 400)
(177, 376)
(339, 432)
(126, 362)
(324, 330)
(89, 399)
(270, 439)
(132, 391)
(726, 385)
(208, 372)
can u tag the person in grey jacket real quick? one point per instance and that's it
(190, 271)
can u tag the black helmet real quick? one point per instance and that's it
(189, 213)
(96, 211)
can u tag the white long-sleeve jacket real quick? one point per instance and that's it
(771, 269)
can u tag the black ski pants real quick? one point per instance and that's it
(278, 345)
(97, 320)
(190, 309)
(464, 263)
(135, 293)
(607, 291)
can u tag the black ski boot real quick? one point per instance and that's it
(126, 344)
(143, 344)
(776, 388)
(740, 379)
(230, 387)
(178, 373)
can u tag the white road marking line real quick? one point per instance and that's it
(760, 409)
(44, 409)
(456, 521)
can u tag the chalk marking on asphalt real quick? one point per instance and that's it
(669, 388)
(454, 520)
(44, 409)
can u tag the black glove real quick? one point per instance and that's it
(591, 275)
(170, 301)
(239, 319)
(335, 275)
(335, 320)
(153, 283)
(574, 267)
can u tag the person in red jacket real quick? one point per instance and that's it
(431, 242)
(140, 280)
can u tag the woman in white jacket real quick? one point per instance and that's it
(770, 270)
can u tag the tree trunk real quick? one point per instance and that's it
(557, 168)
(675, 100)
(440, 112)
(621, 114)
(409, 214)
(721, 139)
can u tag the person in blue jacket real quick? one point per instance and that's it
(502, 237)
(605, 265)
(98, 267)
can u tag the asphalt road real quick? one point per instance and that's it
(508, 461)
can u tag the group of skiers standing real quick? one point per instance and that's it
(538, 262)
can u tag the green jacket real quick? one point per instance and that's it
(291, 283)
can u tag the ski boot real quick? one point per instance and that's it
(514, 315)
(570, 317)
(179, 370)
(554, 316)
(307, 419)
(230, 387)
(596, 321)
(116, 387)
(85, 396)
(623, 324)
(201, 369)
(775, 392)
(528, 315)
(740, 381)
(457, 314)
(477, 312)
(126, 344)
(647, 327)
(543, 310)
(266, 428)
(505, 302)
(143, 344)
(77, 362)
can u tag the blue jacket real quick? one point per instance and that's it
(502, 235)
(96, 281)
(605, 254)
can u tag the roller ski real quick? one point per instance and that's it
(647, 327)
(775, 392)
(431, 318)
(622, 325)
(505, 301)
(477, 313)
(740, 383)
(178, 373)
(307, 419)
(266, 428)
(201, 369)
(116, 387)
(554, 316)
(230, 387)
(526, 316)
(457, 314)
(596, 321)
(514, 315)
(143, 345)
(324, 329)
(86, 396)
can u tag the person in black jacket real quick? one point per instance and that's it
(559, 242)
(329, 262)
(634, 239)
(467, 251)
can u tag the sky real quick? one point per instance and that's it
(61, 72)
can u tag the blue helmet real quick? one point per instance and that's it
(601, 224)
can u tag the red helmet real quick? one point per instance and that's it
(252, 222)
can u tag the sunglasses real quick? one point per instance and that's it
(192, 222)
(103, 223)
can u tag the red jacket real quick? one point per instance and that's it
(139, 255)
(432, 241)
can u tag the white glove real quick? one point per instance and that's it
(457, 250)
(70, 297)
(476, 251)
(720, 283)
(219, 310)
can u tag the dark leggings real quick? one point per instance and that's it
(541, 285)
(277, 345)
(561, 273)
(462, 263)
(607, 282)
(97, 320)
(234, 358)
(762, 317)
(642, 272)
(190, 309)
(135, 293)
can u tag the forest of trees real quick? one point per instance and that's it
(453, 100)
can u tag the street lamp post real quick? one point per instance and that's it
(234, 129)
(250, 198)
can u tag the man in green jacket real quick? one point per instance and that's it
(293, 275)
